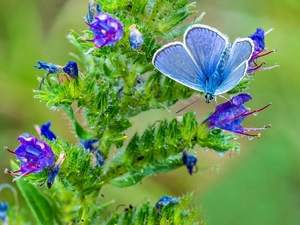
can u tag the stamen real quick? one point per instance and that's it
(256, 67)
(257, 129)
(249, 135)
(22, 175)
(257, 55)
(270, 67)
(245, 113)
(12, 172)
(7, 149)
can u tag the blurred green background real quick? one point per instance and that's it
(258, 186)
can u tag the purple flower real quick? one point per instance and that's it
(106, 30)
(230, 115)
(258, 39)
(55, 169)
(164, 201)
(34, 155)
(71, 69)
(98, 157)
(135, 37)
(3, 210)
(50, 67)
(190, 162)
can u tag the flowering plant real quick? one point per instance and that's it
(113, 80)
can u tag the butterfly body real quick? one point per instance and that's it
(205, 61)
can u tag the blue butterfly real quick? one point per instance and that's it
(205, 61)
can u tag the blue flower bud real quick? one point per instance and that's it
(98, 157)
(135, 37)
(190, 162)
(71, 69)
(46, 132)
(164, 201)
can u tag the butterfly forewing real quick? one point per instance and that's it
(174, 61)
(236, 65)
(206, 45)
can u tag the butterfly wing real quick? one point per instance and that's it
(206, 45)
(236, 65)
(174, 61)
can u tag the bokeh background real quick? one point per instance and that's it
(258, 186)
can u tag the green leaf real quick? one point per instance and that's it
(135, 175)
(79, 130)
(38, 203)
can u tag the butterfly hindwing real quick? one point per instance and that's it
(174, 61)
(236, 65)
(206, 45)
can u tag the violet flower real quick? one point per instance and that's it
(106, 30)
(35, 155)
(230, 115)
(164, 201)
(190, 162)
(258, 39)
(135, 37)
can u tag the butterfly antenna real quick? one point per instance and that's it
(187, 106)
